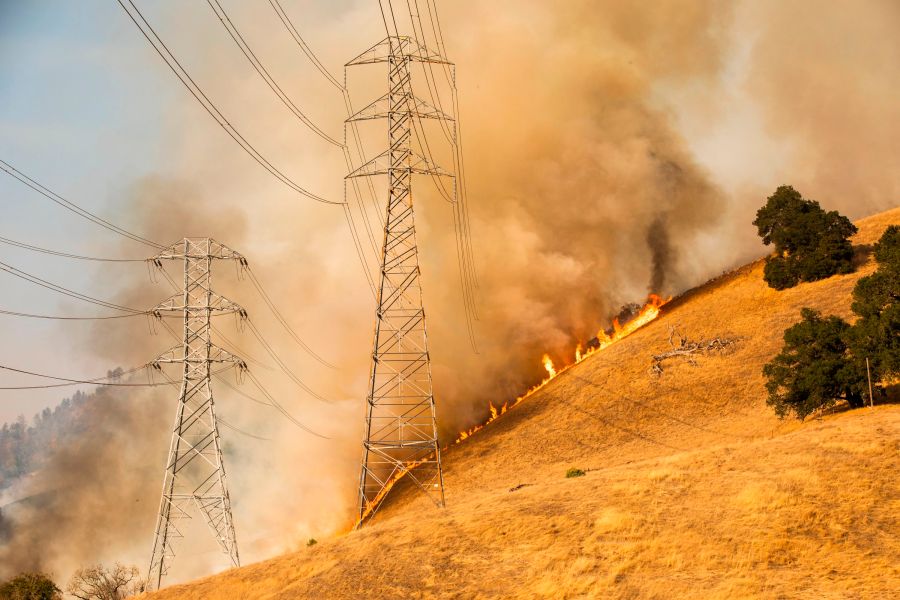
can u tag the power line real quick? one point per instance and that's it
(456, 138)
(281, 409)
(362, 209)
(62, 318)
(95, 381)
(219, 419)
(71, 206)
(348, 214)
(261, 70)
(168, 278)
(238, 350)
(65, 291)
(181, 73)
(461, 224)
(268, 300)
(360, 253)
(459, 161)
(433, 94)
(293, 377)
(240, 392)
(425, 147)
(468, 296)
(25, 246)
(295, 34)
(428, 71)
(393, 18)
(383, 18)
(241, 43)
(459, 234)
(228, 425)
(289, 25)
(270, 403)
(462, 247)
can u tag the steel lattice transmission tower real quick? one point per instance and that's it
(195, 473)
(401, 427)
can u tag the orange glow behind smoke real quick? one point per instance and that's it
(648, 312)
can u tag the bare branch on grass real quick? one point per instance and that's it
(682, 347)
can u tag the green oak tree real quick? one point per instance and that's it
(810, 243)
(812, 371)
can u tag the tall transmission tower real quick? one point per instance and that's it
(195, 473)
(401, 424)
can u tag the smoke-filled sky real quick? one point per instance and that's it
(611, 149)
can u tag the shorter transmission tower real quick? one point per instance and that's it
(195, 473)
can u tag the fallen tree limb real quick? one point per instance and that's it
(684, 347)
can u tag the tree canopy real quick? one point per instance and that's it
(812, 370)
(810, 243)
(30, 586)
(101, 583)
(876, 299)
(824, 358)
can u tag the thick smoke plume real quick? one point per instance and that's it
(584, 193)
(593, 195)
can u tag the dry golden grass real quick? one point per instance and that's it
(694, 489)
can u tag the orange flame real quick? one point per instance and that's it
(402, 470)
(548, 364)
(648, 312)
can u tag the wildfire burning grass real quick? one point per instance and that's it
(693, 489)
(648, 313)
(645, 315)
(401, 472)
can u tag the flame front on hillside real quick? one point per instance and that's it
(647, 313)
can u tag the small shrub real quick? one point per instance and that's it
(574, 472)
(311, 542)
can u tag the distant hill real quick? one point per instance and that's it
(693, 488)
(25, 446)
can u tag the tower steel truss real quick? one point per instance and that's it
(195, 473)
(401, 425)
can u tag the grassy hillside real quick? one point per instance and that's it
(693, 488)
